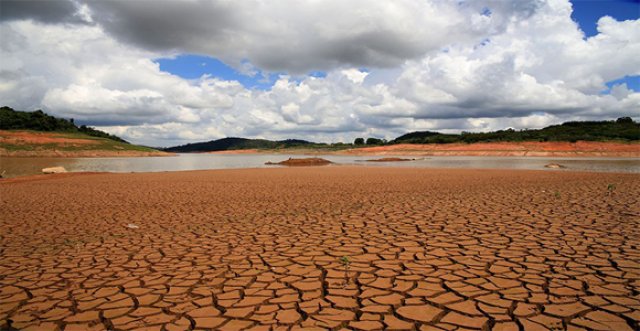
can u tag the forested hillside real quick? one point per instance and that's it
(38, 120)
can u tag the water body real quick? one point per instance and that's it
(29, 166)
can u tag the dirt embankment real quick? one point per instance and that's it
(81, 153)
(577, 149)
(56, 144)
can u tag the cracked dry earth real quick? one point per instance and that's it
(261, 250)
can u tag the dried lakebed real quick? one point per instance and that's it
(264, 249)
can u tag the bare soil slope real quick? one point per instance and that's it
(56, 144)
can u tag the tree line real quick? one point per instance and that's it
(622, 129)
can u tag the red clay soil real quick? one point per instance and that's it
(580, 148)
(310, 161)
(390, 159)
(40, 138)
(81, 153)
(261, 249)
(58, 139)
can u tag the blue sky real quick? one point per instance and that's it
(191, 66)
(633, 83)
(585, 12)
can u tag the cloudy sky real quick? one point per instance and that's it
(169, 72)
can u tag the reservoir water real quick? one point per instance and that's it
(12, 166)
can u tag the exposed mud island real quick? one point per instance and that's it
(301, 162)
(317, 248)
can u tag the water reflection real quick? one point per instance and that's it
(28, 166)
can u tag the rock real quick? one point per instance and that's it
(554, 166)
(54, 170)
(132, 226)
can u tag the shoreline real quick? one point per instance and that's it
(351, 152)
(531, 154)
(347, 167)
(23, 167)
(577, 149)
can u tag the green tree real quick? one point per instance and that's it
(358, 141)
(374, 141)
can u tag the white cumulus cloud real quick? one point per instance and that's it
(391, 67)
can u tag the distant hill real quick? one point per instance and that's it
(236, 144)
(623, 129)
(38, 120)
(36, 134)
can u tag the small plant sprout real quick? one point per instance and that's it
(557, 195)
(346, 260)
(611, 189)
